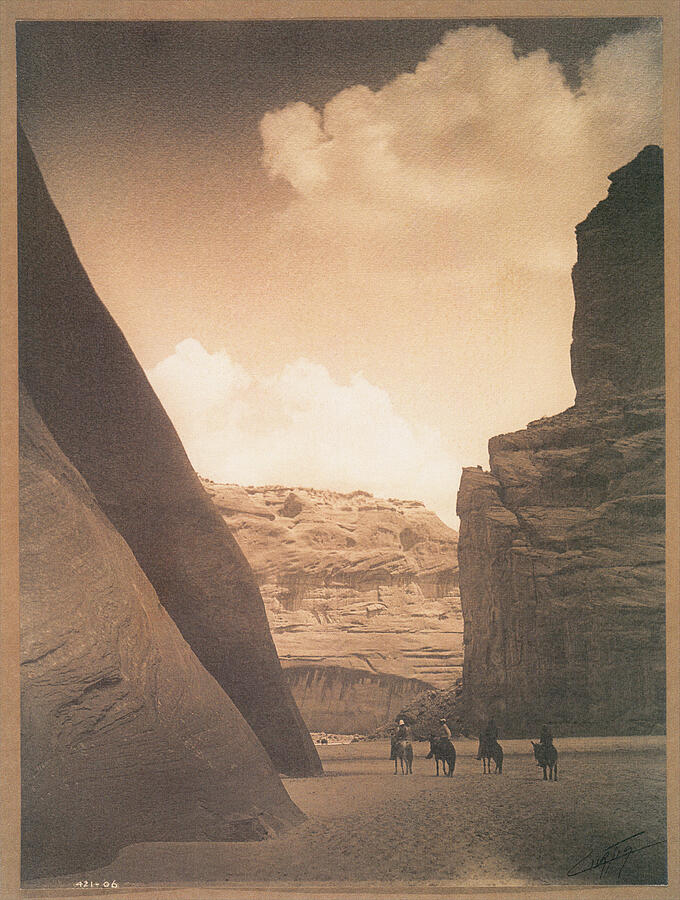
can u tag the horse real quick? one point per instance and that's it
(443, 750)
(403, 751)
(546, 758)
(492, 751)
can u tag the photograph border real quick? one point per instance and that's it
(12, 11)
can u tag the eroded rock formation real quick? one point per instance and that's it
(345, 700)
(361, 595)
(125, 736)
(97, 403)
(562, 543)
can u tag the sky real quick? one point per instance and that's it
(340, 250)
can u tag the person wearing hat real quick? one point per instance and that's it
(444, 731)
(403, 733)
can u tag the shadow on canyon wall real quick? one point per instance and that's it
(152, 696)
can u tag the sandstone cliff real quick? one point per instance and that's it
(562, 543)
(97, 403)
(361, 595)
(131, 588)
(618, 332)
(125, 736)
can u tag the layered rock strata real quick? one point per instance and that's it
(562, 543)
(97, 403)
(361, 594)
(125, 736)
(345, 700)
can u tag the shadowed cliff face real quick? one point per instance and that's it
(94, 398)
(125, 736)
(561, 546)
(618, 333)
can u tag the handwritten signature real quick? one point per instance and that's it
(612, 858)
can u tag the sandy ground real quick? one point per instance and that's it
(366, 827)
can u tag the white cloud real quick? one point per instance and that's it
(478, 155)
(621, 97)
(300, 427)
(296, 135)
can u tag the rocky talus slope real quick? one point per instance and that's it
(361, 595)
(423, 714)
(562, 543)
(111, 527)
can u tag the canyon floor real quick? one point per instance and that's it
(422, 833)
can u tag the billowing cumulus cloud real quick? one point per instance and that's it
(478, 155)
(300, 427)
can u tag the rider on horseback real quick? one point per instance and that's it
(441, 747)
(487, 738)
(546, 738)
(545, 753)
(403, 733)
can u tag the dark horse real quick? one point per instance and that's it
(442, 749)
(546, 758)
(492, 750)
(403, 751)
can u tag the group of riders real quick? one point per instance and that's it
(403, 733)
(488, 737)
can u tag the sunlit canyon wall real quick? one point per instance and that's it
(361, 594)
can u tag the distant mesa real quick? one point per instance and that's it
(562, 543)
(361, 595)
(144, 636)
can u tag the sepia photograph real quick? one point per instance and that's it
(338, 465)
